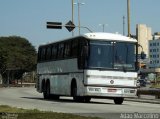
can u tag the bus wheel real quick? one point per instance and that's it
(46, 92)
(74, 90)
(75, 97)
(87, 99)
(74, 94)
(118, 100)
(55, 97)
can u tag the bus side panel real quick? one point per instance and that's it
(59, 84)
(60, 74)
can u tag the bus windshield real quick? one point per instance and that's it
(111, 55)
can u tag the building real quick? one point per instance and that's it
(144, 34)
(154, 51)
(152, 72)
(156, 36)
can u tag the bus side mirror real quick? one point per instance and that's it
(143, 55)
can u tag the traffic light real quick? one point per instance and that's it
(54, 25)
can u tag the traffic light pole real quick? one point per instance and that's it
(71, 26)
(128, 15)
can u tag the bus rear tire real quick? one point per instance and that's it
(118, 100)
(46, 92)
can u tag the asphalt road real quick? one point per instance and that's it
(28, 98)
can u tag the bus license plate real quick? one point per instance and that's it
(126, 90)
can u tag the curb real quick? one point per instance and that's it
(18, 85)
(143, 100)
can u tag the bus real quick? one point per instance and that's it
(93, 65)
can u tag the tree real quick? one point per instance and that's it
(16, 54)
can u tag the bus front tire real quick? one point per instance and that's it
(74, 94)
(55, 97)
(118, 100)
(87, 99)
(75, 97)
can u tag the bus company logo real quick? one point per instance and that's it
(111, 81)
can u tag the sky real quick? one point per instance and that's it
(27, 18)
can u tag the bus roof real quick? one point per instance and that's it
(99, 35)
(108, 36)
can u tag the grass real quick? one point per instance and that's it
(156, 83)
(35, 114)
(155, 86)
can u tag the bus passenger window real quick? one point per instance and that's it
(74, 48)
(67, 51)
(60, 50)
(39, 55)
(54, 52)
(48, 56)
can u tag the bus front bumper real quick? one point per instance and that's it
(110, 92)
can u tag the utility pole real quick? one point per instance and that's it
(103, 25)
(79, 24)
(72, 15)
(128, 16)
(123, 25)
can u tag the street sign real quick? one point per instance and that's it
(54, 25)
(70, 26)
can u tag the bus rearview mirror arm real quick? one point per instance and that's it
(143, 55)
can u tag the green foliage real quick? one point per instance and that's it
(17, 53)
(36, 114)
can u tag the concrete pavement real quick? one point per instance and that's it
(147, 95)
(142, 98)
(145, 99)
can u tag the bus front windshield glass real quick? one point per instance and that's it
(111, 55)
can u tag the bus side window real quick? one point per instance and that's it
(60, 50)
(74, 48)
(54, 52)
(48, 53)
(67, 51)
(39, 55)
(43, 54)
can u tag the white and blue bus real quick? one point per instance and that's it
(94, 65)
